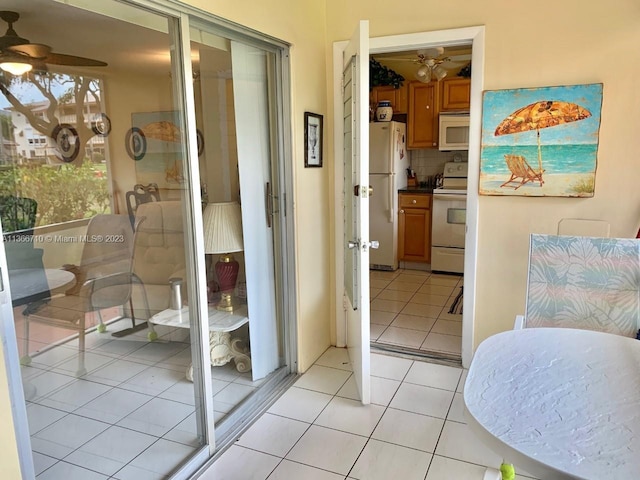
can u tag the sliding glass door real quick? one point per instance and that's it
(142, 207)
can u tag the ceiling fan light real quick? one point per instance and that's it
(424, 74)
(16, 68)
(439, 72)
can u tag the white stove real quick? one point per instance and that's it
(449, 216)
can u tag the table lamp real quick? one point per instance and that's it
(223, 235)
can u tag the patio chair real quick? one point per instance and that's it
(520, 169)
(591, 283)
(103, 280)
(139, 195)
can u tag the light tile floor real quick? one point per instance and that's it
(409, 308)
(131, 416)
(413, 429)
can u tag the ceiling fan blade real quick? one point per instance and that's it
(72, 60)
(33, 50)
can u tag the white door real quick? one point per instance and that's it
(251, 100)
(355, 96)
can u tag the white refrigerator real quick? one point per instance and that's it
(388, 163)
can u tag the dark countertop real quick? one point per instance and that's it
(416, 190)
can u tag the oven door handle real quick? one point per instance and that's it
(450, 196)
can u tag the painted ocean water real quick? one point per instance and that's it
(563, 159)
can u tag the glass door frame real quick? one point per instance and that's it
(180, 17)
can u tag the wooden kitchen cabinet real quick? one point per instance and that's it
(455, 95)
(397, 97)
(414, 224)
(422, 121)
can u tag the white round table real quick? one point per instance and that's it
(560, 403)
(29, 283)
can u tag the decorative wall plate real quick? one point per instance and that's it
(136, 143)
(67, 140)
(101, 124)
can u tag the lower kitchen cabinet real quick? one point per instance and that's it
(414, 224)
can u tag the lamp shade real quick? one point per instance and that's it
(222, 228)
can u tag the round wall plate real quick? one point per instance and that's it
(67, 140)
(136, 143)
(101, 124)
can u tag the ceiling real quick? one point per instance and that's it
(405, 62)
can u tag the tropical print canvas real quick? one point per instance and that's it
(584, 282)
(540, 141)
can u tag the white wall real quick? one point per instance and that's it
(527, 45)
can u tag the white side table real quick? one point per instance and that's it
(222, 347)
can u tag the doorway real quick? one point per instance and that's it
(475, 37)
(415, 309)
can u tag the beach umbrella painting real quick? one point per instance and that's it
(538, 115)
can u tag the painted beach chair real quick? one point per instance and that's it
(520, 169)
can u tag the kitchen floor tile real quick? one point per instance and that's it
(328, 449)
(404, 286)
(442, 343)
(376, 330)
(395, 295)
(413, 322)
(428, 288)
(382, 318)
(431, 311)
(382, 461)
(403, 336)
(438, 279)
(429, 299)
(413, 276)
(393, 306)
(447, 327)
(379, 283)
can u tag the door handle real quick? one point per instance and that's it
(374, 244)
(352, 244)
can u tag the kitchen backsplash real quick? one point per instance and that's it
(431, 161)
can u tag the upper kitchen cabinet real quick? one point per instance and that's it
(397, 97)
(455, 95)
(422, 122)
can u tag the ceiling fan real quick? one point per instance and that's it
(18, 55)
(431, 61)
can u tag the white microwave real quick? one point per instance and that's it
(454, 131)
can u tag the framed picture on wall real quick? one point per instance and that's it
(313, 137)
